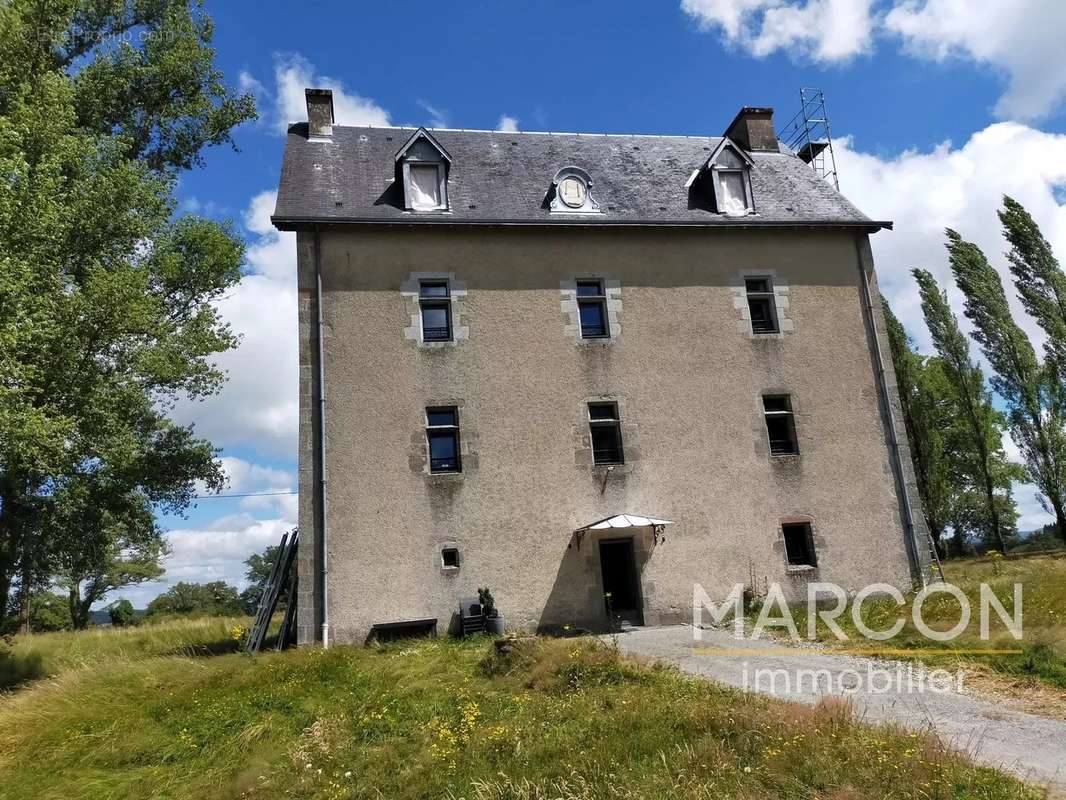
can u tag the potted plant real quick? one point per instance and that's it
(493, 619)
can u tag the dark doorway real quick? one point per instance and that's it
(619, 569)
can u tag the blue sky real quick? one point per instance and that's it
(936, 110)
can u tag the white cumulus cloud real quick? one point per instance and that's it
(284, 102)
(258, 405)
(1019, 38)
(1022, 38)
(824, 30)
(962, 187)
(214, 553)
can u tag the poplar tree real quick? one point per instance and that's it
(978, 423)
(1033, 393)
(1038, 278)
(922, 416)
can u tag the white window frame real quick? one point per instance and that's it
(442, 182)
(742, 164)
(719, 194)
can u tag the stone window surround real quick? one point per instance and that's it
(457, 292)
(582, 436)
(612, 289)
(762, 437)
(763, 444)
(450, 545)
(817, 539)
(782, 303)
(418, 453)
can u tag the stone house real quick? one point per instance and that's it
(587, 371)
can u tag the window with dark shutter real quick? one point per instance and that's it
(799, 544)
(780, 424)
(434, 299)
(760, 293)
(442, 434)
(592, 307)
(606, 430)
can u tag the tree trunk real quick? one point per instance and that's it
(1060, 517)
(25, 584)
(8, 546)
(935, 535)
(79, 609)
(5, 593)
(990, 495)
(24, 605)
(958, 540)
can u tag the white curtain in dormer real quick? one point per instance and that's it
(425, 187)
(732, 199)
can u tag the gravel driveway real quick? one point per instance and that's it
(1029, 746)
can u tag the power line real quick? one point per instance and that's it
(248, 494)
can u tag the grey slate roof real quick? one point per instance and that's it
(504, 178)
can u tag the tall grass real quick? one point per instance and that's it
(48, 654)
(1041, 652)
(446, 719)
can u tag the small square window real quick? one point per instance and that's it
(606, 431)
(780, 424)
(799, 544)
(449, 558)
(442, 435)
(434, 300)
(761, 305)
(592, 308)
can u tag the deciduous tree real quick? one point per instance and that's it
(979, 434)
(1035, 397)
(107, 311)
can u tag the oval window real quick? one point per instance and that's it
(573, 191)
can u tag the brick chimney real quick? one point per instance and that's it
(319, 112)
(753, 129)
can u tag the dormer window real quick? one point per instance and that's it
(730, 172)
(422, 165)
(424, 187)
(572, 192)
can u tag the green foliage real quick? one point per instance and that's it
(49, 612)
(122, 614)
(260, 565)
(215, 599)
(488, 602)
(1038, 277)
(1036, 400)
(952, 399)
(926, 403)
(107, 300)
(425, 719)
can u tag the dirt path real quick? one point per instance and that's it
(1027, 745)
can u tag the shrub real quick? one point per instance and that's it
(122, 613)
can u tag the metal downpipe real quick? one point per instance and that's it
(322, 494)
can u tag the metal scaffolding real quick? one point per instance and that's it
(809, 136)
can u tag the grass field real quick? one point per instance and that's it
(46, 655)
(123, 717)
(1040, 654)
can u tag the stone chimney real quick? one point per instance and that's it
(753, 129)
(319, 112)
